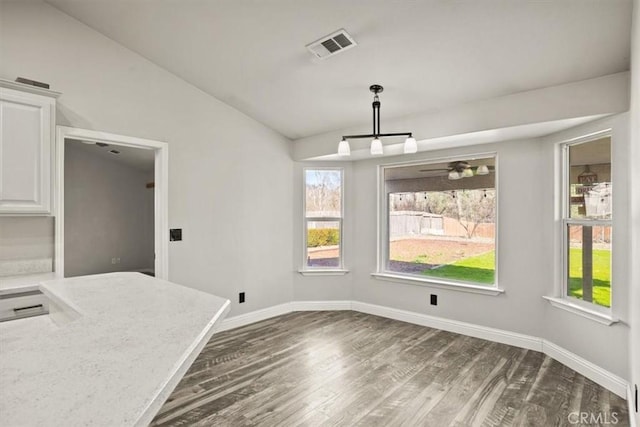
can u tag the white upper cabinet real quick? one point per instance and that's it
(27, 135)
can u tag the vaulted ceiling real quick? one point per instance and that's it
(429, 54)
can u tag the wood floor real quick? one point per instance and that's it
(353, 369)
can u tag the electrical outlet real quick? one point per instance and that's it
(115, 260)
(241, 297)
(434, 299)
(175, 234)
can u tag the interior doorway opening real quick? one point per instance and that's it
(111, 210)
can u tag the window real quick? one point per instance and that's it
(586, 223)
(323, 219)
(440, 221)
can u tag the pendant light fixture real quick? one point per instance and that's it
(410, 144)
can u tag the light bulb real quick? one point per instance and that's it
(410, 145)
(453, 175)
(467, 173)
(376, 147)
(343, 148)
(482, 170)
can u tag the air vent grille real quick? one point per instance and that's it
(332, 44)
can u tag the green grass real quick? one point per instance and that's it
(481, 269)
(601, 275)
(476, 269)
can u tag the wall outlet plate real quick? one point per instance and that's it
(434, 299)
(241, 297)
(175, 234)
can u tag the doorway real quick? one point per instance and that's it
(111, 204)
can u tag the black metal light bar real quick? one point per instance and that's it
(380, 135)
(410, 143)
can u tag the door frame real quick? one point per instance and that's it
(161, 199)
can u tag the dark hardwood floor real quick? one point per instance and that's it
(353, 369)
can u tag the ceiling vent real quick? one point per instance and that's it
(332, 44)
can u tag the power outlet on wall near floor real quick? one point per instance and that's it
(434, 299)
(115, 260)
(241, 297)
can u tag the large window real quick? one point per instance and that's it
(323, 218)
(587, 201)
(441, 221)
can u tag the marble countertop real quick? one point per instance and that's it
(23, 282)
(132, 339)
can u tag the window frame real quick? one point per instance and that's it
(566, 221)
(306, 269)
(382, 271)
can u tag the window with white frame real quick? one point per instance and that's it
(323, 189)
(439, 221)
(586, 223)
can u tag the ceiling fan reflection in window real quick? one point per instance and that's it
(462, 169)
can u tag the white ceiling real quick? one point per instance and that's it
(428, 54)
(136, 158)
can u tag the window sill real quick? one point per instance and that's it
(594, 315)
(442, 284)
(324, 272)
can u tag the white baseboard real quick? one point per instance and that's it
(255, 316)
(321, 305)
(595, 373)
(491, 334)
(582, 366)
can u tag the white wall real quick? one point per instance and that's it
(230, 176)
(510, 114)
(526, 238)
(520, 248)
(108, 214)
(634, 205)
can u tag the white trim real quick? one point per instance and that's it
(161, 191)
(278, 310)
(254, 316)
(23, 87)
(305, 219)
(562, 174)
(440, 284)
(483, 332)
(321, 305)
(630, 407)
(382, 234)
(565, 304)
(325, 272)
(590, 370)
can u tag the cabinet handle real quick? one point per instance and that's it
(28, 308)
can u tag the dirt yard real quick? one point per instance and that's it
(415, 255)
(428, 251)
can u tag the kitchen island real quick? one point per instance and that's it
(110, 353)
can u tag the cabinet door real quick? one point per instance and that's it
(26, 139)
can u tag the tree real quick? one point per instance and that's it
(474, 207)
(469, 207)
(323, 192)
